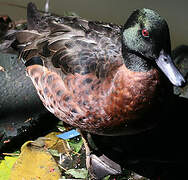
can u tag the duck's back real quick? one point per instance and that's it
(71, 44)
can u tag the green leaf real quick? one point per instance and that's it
(60, 126)
(78, 173)
(76, 145)
(5, 167)
(62, 178)
(54, 152)
(106, 178)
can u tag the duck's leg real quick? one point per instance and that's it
(88, 151)
(98, 164)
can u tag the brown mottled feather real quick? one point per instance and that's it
(83, 80)
(96, 105)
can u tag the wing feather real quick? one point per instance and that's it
(74, 45)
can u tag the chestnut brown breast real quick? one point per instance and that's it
(109, 106)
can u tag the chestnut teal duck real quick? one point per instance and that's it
(100, 77)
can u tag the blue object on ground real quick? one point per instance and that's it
(68, 135)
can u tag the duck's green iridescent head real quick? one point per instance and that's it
(146, 38)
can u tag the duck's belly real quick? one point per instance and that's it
(91, 105)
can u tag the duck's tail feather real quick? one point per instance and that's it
(33, 17)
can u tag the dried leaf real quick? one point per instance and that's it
(2, 69)
(55, 143)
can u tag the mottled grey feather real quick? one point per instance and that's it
(72, 44)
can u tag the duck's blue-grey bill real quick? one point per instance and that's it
(166, 64)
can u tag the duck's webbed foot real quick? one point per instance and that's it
(98, 164)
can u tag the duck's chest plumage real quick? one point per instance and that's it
(100, 106)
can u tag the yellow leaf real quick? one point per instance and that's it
(35, 163)
(5, 167)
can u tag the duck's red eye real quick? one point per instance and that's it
(145, 33)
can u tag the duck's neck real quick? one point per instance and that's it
(136, 62)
